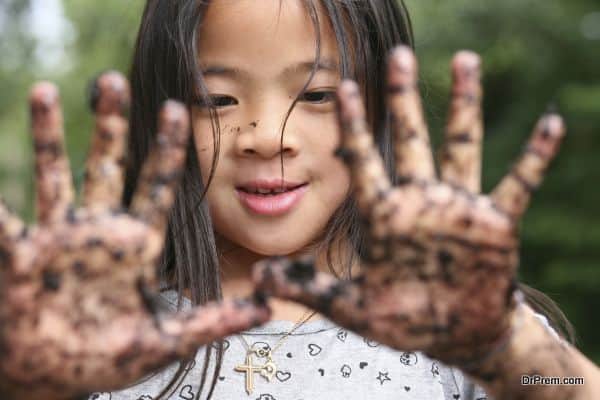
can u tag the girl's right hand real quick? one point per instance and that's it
(440, 261)
(76, 311)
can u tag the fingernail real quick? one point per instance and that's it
(174, 121)
(402, 68)
(467, 60)
(44, 93)
(109, 93)
(404, 59)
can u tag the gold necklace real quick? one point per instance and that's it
(269, 368)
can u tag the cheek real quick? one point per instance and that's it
(337, 180)
(323, 138)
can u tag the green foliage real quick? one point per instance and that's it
(105, 35)
(16, 49)
(534, 53)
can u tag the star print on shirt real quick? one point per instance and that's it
(383, 376)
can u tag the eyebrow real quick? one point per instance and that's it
(303, 67)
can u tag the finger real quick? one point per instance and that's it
(183, 333)
(461, 155)
(141, 343)
(54, 186)
(160, 174)
(297, 280)
(103, 182)
(514, 191)
(414, 159)
(357, 149)
(11, 229)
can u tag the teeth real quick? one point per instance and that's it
(267, 191)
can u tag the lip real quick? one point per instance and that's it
(272, 205)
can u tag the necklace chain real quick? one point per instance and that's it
(305, 317)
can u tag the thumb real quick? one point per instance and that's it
(297, 280)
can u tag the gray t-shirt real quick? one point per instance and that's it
(320, 360)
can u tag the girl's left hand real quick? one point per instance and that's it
(439, 273)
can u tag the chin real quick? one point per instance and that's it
(274, 249)
(271, 242)
(279, 245)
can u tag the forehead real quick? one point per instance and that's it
(268, 34)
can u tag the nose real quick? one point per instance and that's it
(262, 137)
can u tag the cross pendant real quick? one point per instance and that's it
(249, 369)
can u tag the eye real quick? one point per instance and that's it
(317, 96)
(218, 101)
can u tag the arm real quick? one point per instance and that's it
(439, 270)
(532, 349)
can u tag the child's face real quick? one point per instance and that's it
(255, 59)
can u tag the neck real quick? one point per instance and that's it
(236, 276)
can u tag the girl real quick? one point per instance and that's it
(268, 71)
(261, 76)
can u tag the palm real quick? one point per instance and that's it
(76, 309)
(439, 270)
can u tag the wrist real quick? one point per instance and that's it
(530, 349)
(497, 349)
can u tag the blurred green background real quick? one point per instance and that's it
(536, 53)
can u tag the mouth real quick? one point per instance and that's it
(270, 191)
(273, 201)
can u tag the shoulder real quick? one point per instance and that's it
(544, 321)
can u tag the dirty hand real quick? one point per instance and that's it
(438, 274)
(76, 289)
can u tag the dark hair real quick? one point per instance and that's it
(165, 66)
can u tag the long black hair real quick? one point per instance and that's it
(165, 66)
